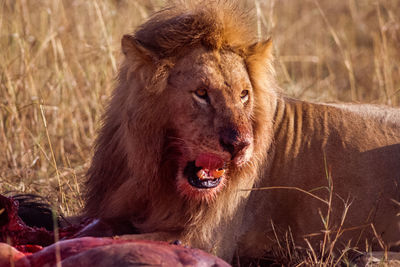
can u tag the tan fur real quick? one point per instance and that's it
(153, 125)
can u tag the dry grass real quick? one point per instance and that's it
(58, 63)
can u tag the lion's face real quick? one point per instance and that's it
(211, 103)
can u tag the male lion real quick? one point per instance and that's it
(196, 121)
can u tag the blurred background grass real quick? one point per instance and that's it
(58, 63)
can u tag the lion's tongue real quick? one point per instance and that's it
(209, 161)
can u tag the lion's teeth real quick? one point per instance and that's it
(210, 174)
(201, 174)
(217, 173)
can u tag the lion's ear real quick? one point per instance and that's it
(134, 50)
(260, 51)
(258, 57)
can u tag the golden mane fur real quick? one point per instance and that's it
(215, 24)
(132, 175)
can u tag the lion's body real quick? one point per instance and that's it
(357, 146)
(195, 95)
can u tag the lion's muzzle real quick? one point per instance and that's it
(234, 142)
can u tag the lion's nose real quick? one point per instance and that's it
(232, 142)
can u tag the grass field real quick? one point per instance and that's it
(59, 58)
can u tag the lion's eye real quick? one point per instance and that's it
(201, 95)
(244, 95)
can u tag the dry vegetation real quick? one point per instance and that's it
(58, 62)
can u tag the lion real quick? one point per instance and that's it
(198, 144)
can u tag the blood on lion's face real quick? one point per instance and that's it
(211, 109)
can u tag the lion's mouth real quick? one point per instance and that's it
(205, 172)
